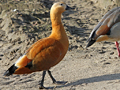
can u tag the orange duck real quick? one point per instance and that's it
(46, 52)
(108, 29)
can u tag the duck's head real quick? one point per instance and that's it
(59, 7)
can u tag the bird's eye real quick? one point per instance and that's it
(61, 4)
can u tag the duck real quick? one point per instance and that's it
(108, 29)
(46, 52)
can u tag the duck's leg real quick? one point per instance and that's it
(117, 45)
(53, 79)
(42, 81)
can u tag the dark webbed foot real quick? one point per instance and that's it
(42, 87)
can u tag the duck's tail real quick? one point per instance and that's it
(21, 66)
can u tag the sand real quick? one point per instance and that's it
(24, 22)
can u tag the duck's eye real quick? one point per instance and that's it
(61, 4)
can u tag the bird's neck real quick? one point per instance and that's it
(55, 18)
(58, 31)
(57, 27)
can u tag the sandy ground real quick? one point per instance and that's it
(95, 68)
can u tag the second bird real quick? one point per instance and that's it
(108, 29)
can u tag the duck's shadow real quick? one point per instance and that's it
(90, 80)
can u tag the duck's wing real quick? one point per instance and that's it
(37, 55)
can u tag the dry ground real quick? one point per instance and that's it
(24, 22)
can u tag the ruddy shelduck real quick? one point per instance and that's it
(108, 29)
(46, 52)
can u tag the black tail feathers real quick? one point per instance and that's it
(10, 71)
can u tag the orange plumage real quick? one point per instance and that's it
(47, 52)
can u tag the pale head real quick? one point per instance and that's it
(59, 7)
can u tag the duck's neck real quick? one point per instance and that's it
(55, 18)
(57, 27)
(58, 31)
